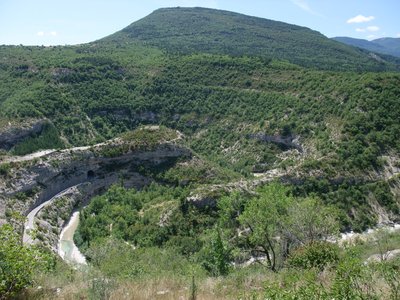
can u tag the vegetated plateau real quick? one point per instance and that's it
(211, 155)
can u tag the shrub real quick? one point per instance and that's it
(215, 256)
(18, 263)
(4, 169)
(315, 255)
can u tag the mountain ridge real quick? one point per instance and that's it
(386, 45)
(204, 30)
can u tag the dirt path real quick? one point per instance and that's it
(42, 153)
(27, 157)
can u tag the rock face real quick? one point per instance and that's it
(31, 183)
(290, 141)
(208, 197)
(10, 135)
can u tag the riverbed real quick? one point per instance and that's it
(67, 248)
(351, 237)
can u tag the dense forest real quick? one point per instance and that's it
(249, 96)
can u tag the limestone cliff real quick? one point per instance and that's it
(11, 134)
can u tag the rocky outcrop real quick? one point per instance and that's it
(148, 117)
(12, 134)
(207, 196)
(290, 141)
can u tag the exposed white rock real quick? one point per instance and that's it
(384, 256)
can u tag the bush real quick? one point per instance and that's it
(18, 263)
(49, 138)
(315, 255)
(215, 256)
(4, 169)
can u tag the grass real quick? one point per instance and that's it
(149, 136)
(66, 283)
(379, 243)
(254, 282)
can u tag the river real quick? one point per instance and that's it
(66, 247)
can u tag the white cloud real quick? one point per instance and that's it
(43, 33)
(368, 29)
(305, 6)
(398, 35)
(371, 36)
(360, 19)
(372, 28)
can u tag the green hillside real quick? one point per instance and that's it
(193, 30)
(250, 97)
(345, 122)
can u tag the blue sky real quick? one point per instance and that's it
(56, 22)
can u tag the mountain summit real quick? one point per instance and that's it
(193, 30)
(389, 46)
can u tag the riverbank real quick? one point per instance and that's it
(351, 237)
(67, 248)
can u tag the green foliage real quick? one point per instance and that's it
(117, 259)
(262, 216)
(18, 263)
(148, 218)
(352, 280)
(110, 214)
(195, 172)
(252, 223)
(148, 137)
(309, 220)
(233, 96)
(350, 196)
(194, 30)
(297, 286)
(390, 271)
(100, 288)
(230, 207)
(47, 139)
(315, 255)
(5, 169)
(206, 96)
(193, 289)
(215, 255)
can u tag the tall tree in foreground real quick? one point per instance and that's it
(276, 223)
(263, 216)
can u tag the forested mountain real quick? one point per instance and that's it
(390, 46)
(193, 30)
(247, 101)
(241, 112)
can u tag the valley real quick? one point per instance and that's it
(200, 154)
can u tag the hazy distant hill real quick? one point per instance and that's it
(390, 46)
(188, 30)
